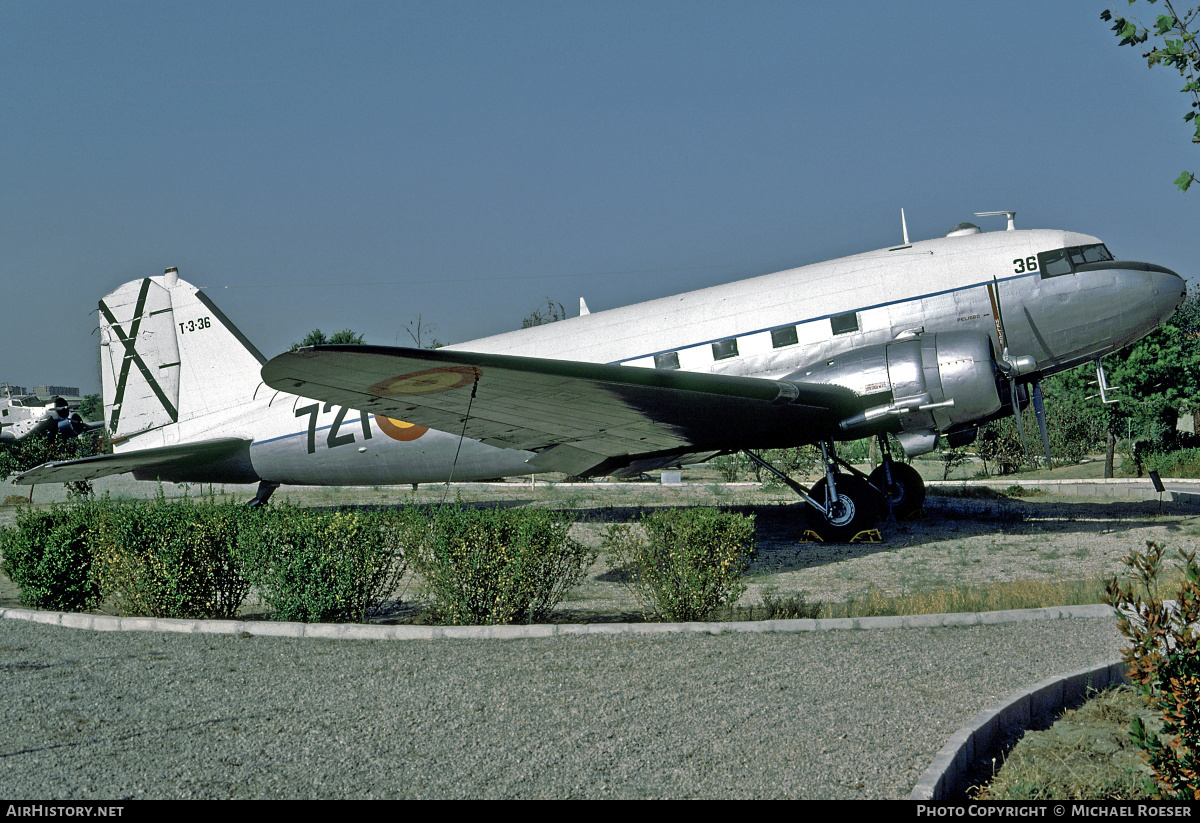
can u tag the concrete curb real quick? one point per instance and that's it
(982, 738)
(358, 631)
(1180, 490)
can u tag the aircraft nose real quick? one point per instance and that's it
(1152, 290)
(1170, 290)
(1132, 299)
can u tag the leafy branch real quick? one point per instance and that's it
(1179, 50)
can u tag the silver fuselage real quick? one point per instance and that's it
(779, 324)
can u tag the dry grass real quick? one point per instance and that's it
(1086, 755)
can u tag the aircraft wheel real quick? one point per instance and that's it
(856, 509)
(906, 492)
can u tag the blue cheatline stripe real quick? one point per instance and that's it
(826, 317)
(303, 433)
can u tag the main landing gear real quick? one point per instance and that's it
(901, 485)
(842, 504)
(265, 490)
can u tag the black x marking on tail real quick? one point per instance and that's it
(132, 356)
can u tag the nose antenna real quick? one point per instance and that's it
(1011, 215)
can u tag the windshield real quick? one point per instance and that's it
(1066, 261)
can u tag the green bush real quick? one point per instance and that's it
(1164, 665)
(690, 562)
(1177, 463)
(312, 566)
(731, 467)
(48, 556)
(498, 565)
(175, 559)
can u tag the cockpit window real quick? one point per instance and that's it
(1054, 263)
(1066, 261)
(1098, 253)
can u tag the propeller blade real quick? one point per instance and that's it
(998, 315)
(1039, 411)
(1016, 407)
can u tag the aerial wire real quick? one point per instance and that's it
(462, 435)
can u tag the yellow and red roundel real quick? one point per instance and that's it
(430, 381)
(398, 429)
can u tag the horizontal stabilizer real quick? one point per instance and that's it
(226, 460)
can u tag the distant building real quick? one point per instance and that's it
(8, 389)
(50, 391)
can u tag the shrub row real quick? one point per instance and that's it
(200, 560)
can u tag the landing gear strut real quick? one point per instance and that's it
(265, 490)
(902, 487)
(840, 504)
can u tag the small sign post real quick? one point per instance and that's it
(1158, 487)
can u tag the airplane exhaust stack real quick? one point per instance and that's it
(171, 277)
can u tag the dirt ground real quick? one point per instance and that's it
(958, 541)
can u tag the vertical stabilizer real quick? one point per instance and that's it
(169, 355)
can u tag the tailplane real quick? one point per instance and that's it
(169, 355)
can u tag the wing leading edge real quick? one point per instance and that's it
(579, 417)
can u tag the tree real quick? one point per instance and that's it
(316, 337)
(550, 312)
(1181, 52)
(422, 334)
(1160, 377)
(91, 407)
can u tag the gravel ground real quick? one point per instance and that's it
(839, 714)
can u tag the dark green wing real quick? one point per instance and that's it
(576, 415)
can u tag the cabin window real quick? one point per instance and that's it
(785, 336)
(844, 323)
(668, 360)
(725, 349)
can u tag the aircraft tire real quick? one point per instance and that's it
(906, 493)
(858, 509)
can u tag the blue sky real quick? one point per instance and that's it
(362, 164)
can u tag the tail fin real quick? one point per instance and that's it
(169, 355)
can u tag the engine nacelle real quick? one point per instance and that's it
(917, 386)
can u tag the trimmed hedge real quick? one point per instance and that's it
(48, 555)
(199, 560)
(319, 567)
(689, 563)
(498, 565)
(175, 559)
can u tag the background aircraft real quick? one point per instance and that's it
(19, 419)
(922, 340)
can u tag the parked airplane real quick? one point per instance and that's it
(20, 418)
(922, 340)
